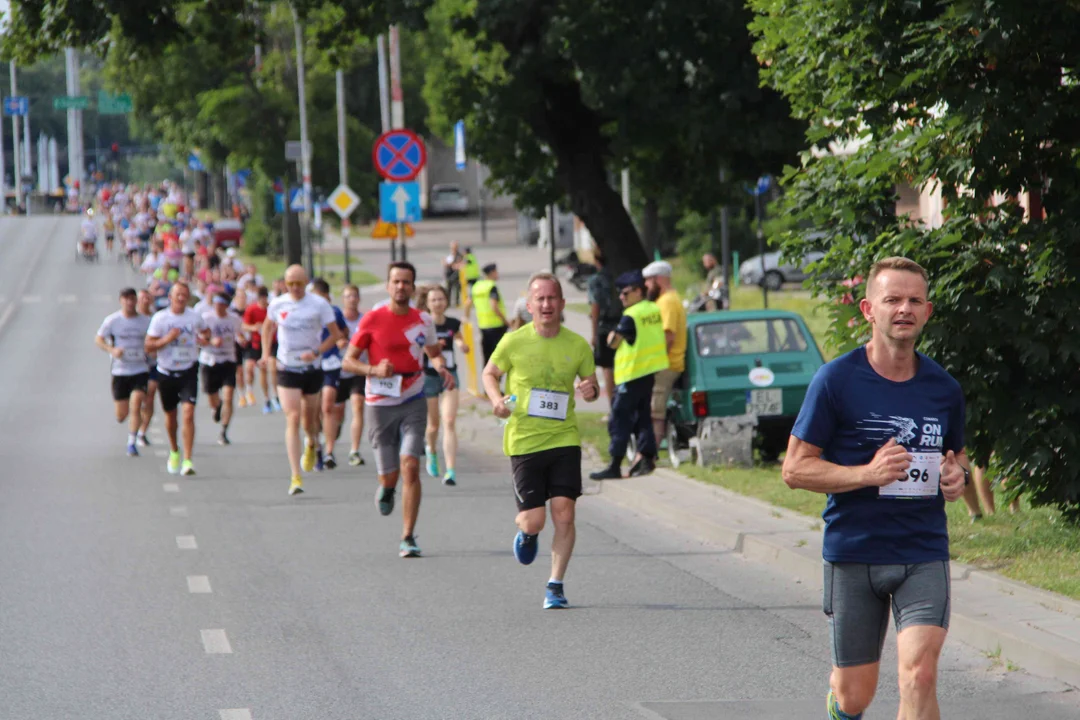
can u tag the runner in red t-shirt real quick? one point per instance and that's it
(396, 336)
(254, 316)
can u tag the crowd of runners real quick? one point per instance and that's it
(395, 368)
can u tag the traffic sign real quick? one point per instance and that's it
(109, 104)
(459, 145)
(70, 102)
(763, 184)
(296, 199)
(399, 155)
(294, 150)
(343, 201)
(399, 202)
(387, 231)
(16, 105)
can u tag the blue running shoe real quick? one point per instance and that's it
(835, 713)
(319, 464)
(408, 548)
(450, 478)
(384, 500)
(554, 598)
(277, 405)
(267, 408)
(433, 464)
(132, 451)
(525, 547)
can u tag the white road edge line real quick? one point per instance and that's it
(198, 584)
(170, 487)
(186, 542)
(235, 714)
(215, 642)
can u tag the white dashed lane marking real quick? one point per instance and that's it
(215, 642)
(199, 584)
(31, 299)
(186, 542)
(67, 299)
(178, 511)
(170, 487)
(235, 714)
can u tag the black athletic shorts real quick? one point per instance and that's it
(176, 388)
(308, 382)
(489, 340)
(154, 373)
(253, 354)
(124, 385)
(349, 386)
(540, 476)
(331, 378)
(603, 356)
(215, 377)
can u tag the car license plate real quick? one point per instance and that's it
(765, 402)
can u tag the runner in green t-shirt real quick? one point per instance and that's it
(543, 362)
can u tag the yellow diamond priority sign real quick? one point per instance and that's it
(344, 201)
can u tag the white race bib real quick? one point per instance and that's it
(134, 355)
(448, 357)
(331, 363)
(295, 358)
(923, 480)
(387, 387)
(548, 404)
(207, 359)
(185, 353)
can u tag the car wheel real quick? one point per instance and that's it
(773, 280)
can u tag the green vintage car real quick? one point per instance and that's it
(739, 363)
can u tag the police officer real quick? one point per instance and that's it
(640, 353)
(472, 268)
(490, 311)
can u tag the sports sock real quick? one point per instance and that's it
(132, 437)
(553, 581)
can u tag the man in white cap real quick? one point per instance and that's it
(658, 286)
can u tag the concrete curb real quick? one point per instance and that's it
(1028, 626)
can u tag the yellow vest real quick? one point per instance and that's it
(485, 316)
(472, 268)
(648, 354)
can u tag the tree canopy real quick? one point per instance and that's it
(981, 101)
(559, 95)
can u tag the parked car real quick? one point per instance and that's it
(227, 233)
(775, 274)
(746, 362)
(448, 199)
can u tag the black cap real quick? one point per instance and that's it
(632, 278)
(489, 268)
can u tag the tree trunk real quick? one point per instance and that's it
(572, 130)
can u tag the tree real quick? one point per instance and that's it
(559, 95)
(980, 100)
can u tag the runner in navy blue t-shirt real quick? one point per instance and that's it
(882, 433)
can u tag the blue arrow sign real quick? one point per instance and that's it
(195, 163)
(400, 202)
(16, 105)
(459, 144)
(296, 199)
(763, 184)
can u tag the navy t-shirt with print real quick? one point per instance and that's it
(850, 412)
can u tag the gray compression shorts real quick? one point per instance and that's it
(857, 599)
(396, 430)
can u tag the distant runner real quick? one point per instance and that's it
(176, 334)
(218, 360)
(122, 335)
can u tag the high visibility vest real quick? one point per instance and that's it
(472, 268)
(485, 316)
(648, 354)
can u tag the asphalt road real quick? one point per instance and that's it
(127, 593)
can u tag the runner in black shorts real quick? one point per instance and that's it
(543, 362)
(218, 360)
(122, 336)
(351, 387)
(881, 431)
(145, 308)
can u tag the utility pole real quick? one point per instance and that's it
(725, 239)
(384, 85)
(27, 162)
(397, 110)
(343, 162)
(3, 183)
(16, 166)
(305, 148)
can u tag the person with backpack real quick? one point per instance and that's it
(605, 311)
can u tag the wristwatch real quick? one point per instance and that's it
(967, 476)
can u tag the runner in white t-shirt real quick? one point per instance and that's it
(123, 335)
(176, 334)
(218, 360)
(299, 318)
